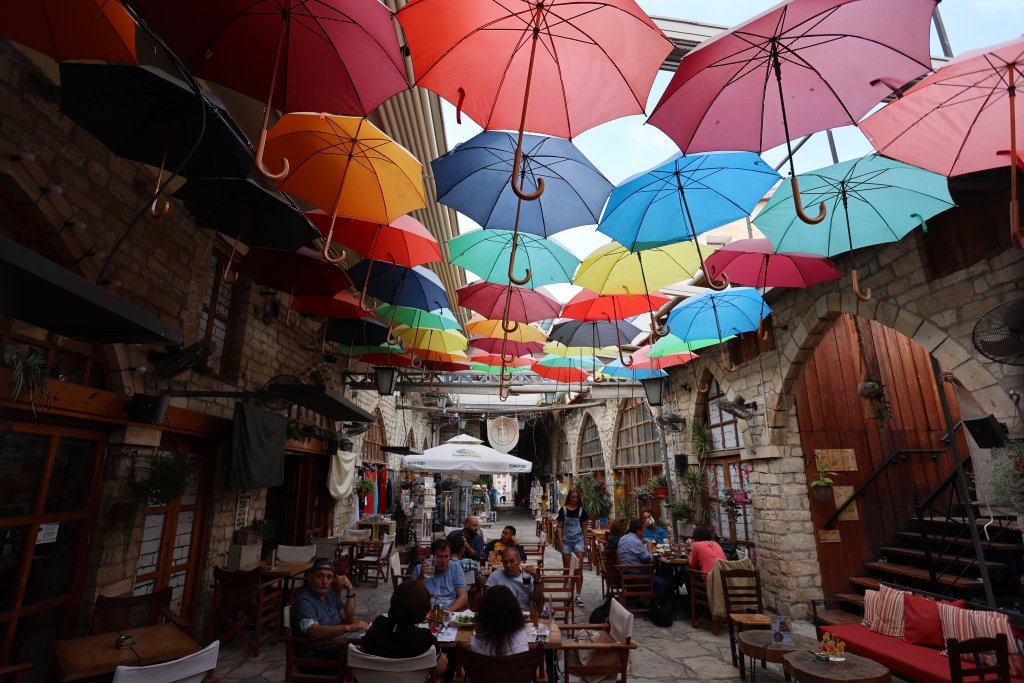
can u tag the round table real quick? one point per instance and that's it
(758, 645)
(806, 669)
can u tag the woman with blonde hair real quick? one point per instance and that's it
(571, 518)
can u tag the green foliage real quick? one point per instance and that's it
(264, 528)
(624, 508)
(703, 438)
(823, 478)
(681, 511)
(485, 480)
(643, 493)
(695, 492)
(167, 479)
(657, 481)
(29, 372)
(365, 486)
(1007, 478)
(594, 495)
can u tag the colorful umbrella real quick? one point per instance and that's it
(416, 287)
(519, 304)
(617, 369)
(341, 305)
(443, 366)
(354, 333)
(440, 341)
(492, 360)
(442, 319)
(830, 61)
(642, 359)
(588, 305)
(670, 345)
(511, 348)
(72, 29)
(497, 369)
(954, 121)
(301, 272)
(247, 45)
(474, 177)
(562, 375)
(684, 197)
(554, 361)
(404, 241)
(755, 262)
(494, 330)
(486, 253)
(874, 200)
(342, 161)
(714, 315)
(391, 360)
(594, 334)
(560, 349)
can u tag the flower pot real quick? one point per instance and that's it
(869, 390)
(822, 494)
(246, 537)
(661, 491)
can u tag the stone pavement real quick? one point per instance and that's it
(679, 653)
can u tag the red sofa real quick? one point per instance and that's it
(914, 662)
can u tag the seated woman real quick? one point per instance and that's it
(500, 628)
(397, 636)
(704, 550)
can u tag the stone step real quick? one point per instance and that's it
(919, 555)
(868, 582)
(919, 574)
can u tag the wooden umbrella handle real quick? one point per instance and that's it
(822, 209)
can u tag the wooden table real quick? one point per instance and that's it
(88, 656)
(379, 527)
(758, 645)
(462, 636)
(285, 570)
(802, 666)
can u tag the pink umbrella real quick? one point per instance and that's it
(954, 121)
(642, 362)
(510, 348)
(491, 299)
(754, 262)
(824, 62)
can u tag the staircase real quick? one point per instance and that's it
(937, 555)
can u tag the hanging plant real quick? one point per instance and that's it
(167, 479)
(264, 528)
(733, 501)
(365, 486)
(643, 493)
(29, 372)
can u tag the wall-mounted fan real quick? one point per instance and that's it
(171, 363)
(999, 334)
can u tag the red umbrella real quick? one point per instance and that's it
(72, 29)
(564, 374)
(302, 272)
(753, 262)
(954, 121)
(588, 306)
(391, 360)
(491, 299)
(405, 241)
(825, 63)
(341, 305)
(642, 362)
(338, 56)
(495, 360)
(443, 366)
(511, 348)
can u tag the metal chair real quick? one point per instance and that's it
(741, 589)
(189, 669)
(134, 611)
(990, 658)
(246, 594)
(376, 560)
(308, 669)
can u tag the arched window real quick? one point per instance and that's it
(374, 441)
(591, 455)
(725, 427)
(563, 461)
(637, 447)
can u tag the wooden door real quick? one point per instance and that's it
(173, 535)
(49, 495)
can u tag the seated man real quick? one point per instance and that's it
(653, 532)
(320, 614)
(632, 550)
(524, 585)
(470, 533)
(507, 540)
(447, 582)
(458, 546)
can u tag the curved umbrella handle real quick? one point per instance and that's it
(718, 286)
(362, 302)
(622, 360)
(701, 388)
(416, 362)
(726, 362)
(504, 377)
(159, 211)
(762, 330)
(291, 321)
(857, 292)
(230, 276)
(512, 262)
(262, 167)
(393, 338)
(798, 205)
(503, 393)
(924, 224)
(517, 162)
(509, 326)
(661, 330)
(327, 240)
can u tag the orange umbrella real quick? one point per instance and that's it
(72, 29)
(347, 166)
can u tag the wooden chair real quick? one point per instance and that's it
(610, 586)
(189, 669)
(134, 611)
(605, 658)
(326, 546)
(741, 589)
(376, 560)
(990, 657)
(308, 669)
(372, 669)
(243, 600)
(298, 553)
(534, 553)
(524, 667)
(588, 545)
(636, 583)
(700, 606)
(559, 588)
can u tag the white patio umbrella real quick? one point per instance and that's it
(465, 453)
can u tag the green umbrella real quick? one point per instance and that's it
(670, 344)
(365, 350)
(872, 200)
(442, 319)
(583, 362)
(495, 369)
(487, 253)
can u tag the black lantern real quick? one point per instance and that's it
(385, 380)
(654, 387)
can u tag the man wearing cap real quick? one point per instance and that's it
(321, 613)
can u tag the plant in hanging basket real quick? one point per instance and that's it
(733, 501)
(29, 372)
(167, 479)
(821, 485)
(643, 493)
(365, 486)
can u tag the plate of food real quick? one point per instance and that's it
(463, 619)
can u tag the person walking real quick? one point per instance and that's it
(571, 518)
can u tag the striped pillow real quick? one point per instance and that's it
(870, 608)
(889, 615)
(964, 624)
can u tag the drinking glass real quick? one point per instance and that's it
(428, 568)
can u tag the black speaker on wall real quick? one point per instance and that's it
(680, 462)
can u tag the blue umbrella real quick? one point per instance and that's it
(684, 197)
(716, 315)
(616, 369)
(474, 178)
(415, 287)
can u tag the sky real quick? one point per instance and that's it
(627, 146)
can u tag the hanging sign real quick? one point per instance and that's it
(503, 433)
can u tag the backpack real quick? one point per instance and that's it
(601, 613)
(662, 612)
(729, 548)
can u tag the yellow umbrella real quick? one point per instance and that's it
(438, 356)
(442, 341)
(494, 330)
(556, 348)
(613, 269)
(345, 165)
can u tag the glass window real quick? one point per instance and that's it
(21, 464)
(563, 459)
(591, 455)
(636, 443)
(215, 318)
(732, 514)
(72, 469)
(725, 427)
(374, 441)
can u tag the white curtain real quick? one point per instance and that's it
(342, 475)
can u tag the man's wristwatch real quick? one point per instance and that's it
(350, 596)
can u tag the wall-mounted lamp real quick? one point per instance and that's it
(442, 401)
(386, 377)
(654, 388)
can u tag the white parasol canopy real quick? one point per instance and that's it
(465, 453)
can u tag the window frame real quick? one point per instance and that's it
(592, 461)
(218, 362)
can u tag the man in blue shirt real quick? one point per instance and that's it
(653, 532)
(470, 533)
(447, 586)
(632, 551)
(523, 585)
(319, 612)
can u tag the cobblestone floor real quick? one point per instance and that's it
(679, 653)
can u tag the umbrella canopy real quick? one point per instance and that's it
(560, 349)
(716, 315)
(72, 29)
(587, 305)
(465, 454)
(670, 345)
(416, 287)
(474, 177)
(390, 360)
(613, 269)
(595, 334)
(455, 356)
(684, 197)
(424, 339)
(487, 253)
(507, 346)
(554, 361)
(494, 300)
(563, 375)
(494, 330)
(498, 369)
(301, 272)
(354, 333)
(580, 63)
(642, 359)
(404, 241)
(442, 319)
(874, 200)
(443, 366)
(341, 305)
(343, 161)
(492, 360)
(755, 262)
(795, 69)
(616, 369)
(145, 114)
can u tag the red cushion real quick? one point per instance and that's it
(915, 662)
(922, 625)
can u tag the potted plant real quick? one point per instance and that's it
(658, 484)
(643, 493)
(167, 479)
(266, 530)
(870, 388)
(345, 443)
(821, 486)
(332, 441)
(365, 486)
(29, 372)
(733, 501)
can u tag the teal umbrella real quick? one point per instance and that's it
(487, 252)
(872, 200)
(671, 344)
(583, 362)
(440, 319)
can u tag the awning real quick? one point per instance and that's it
(42, 293)
(322, 400)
